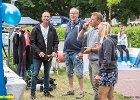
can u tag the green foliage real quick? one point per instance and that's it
(61, 33)
(26, 3)
(120, 9)
(28, 28)
(112, 2)
(115, 30)
(133, 35)
(62, 88)
(12, 66)
(126, 9)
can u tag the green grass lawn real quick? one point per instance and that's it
(62, 87)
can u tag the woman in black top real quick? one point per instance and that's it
(108, 71)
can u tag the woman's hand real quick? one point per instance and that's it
(97, 77)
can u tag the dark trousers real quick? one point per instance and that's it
(37, 64)
(122, 48)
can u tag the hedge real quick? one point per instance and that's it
(61, 33)
(133, 34)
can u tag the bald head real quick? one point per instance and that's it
(45, 18)
(45, 13)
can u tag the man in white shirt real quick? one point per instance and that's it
(44, 43)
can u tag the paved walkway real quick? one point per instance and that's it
(129, 83)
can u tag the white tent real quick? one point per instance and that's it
(28, 21)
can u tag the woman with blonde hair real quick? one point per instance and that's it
(108, 71)
(104, 30)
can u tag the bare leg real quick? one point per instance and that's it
(103, 92)
(110, 94)
(71, 88)
(81, 85)
(81, 93)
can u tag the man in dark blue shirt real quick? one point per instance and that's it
(73, 51)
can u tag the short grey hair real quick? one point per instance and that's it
(99, 15)
(75, 9)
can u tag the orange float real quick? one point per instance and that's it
(61, 56)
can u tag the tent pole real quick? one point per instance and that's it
(10, 32)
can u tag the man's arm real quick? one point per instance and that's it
(55, 41)
(83, 30)
(33, 44)
(92, 49)
(67, 32)
(33, 41)
(81, 35)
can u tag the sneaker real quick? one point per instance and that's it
(33, 96)
(47, 94)
(68, 93)
(133, 66)
(123, 63)
(80, 96)
(128, 63)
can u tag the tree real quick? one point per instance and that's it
(127, 9)
(35, 8)
(110, 3)
(120, 9)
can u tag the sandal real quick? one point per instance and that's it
(68, 93)
(81, 95)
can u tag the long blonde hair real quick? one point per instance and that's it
(104, 30)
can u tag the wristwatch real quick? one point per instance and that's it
(91, 50)
(84, 29)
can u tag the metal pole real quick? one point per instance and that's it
(8, 50)
(13, 2)
(2, 81)
(10, 32)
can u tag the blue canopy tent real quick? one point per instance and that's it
(28, 21)
(25, 21)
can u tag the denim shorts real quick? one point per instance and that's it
(72, 61)
(108, 79)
